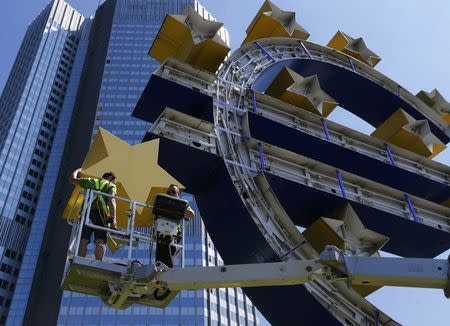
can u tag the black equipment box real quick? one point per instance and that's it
(169, 207)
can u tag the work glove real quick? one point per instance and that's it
(112, 222)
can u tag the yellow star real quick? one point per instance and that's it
(303, 92)
(271, 21)
(402, 130)
(139, 175)
(191, 39)
(347, 232)
(355, 48)
(437, 102)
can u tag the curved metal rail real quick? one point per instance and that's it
(235, 79)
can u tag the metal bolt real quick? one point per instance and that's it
(308, 268)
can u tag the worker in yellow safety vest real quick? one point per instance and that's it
(103, 210)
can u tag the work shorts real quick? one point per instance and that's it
(96, 219)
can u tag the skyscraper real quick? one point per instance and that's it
(31, 106)
(110, 71)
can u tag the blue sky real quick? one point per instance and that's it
(411, 36)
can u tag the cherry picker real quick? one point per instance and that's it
(121, 282)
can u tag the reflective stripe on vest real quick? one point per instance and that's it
(101, 203)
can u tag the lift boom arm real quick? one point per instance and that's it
(332, 266)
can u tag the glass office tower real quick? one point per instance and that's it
(103, 92)
(31, 106)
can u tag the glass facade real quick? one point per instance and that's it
(25, 279)
(31, 103)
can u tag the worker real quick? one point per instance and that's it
(164, 250)
(103, 210)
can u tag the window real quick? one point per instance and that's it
(27, 195)
(50, 117)
(39, 153)
(43, 133)
(20, 219)
(24, 207)
(3, 283)
(63, 71)
(54, 100)
(42, 143)
(33, 173)
(48, 126)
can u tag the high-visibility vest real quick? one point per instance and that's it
(99, 201)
